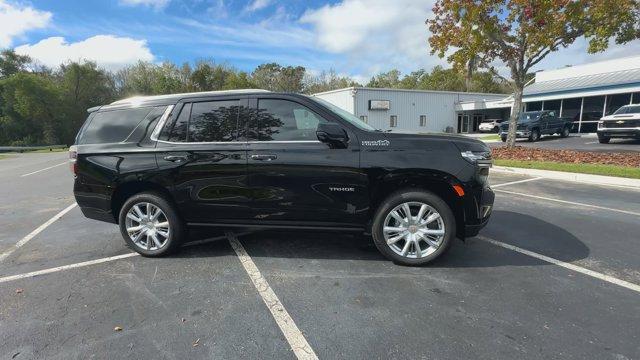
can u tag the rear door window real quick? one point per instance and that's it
(207, 121)
(112, 126)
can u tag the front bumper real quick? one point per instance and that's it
(519, 133)
(477, 211)
(619, 132)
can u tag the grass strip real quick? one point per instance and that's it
(594, 169)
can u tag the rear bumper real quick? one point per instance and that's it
(94, 201)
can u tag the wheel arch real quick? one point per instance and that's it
(436, 182)
(126, 190)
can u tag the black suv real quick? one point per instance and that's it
(250, 158)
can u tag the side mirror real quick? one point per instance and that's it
(333, 135)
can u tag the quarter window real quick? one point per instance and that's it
(393, 121)
(283, 120)
(112, 126)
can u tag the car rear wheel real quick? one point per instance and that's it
(413, 227)
(496, 129)
(565, 132)
(503, 138)
(535, 135)
(150, 225)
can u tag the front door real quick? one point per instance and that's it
(294, 178)
(200, 152)
(465, 124)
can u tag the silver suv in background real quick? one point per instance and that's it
(490, 125)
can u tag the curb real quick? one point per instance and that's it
(575, 177)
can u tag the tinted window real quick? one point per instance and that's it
(178, 132)
(284, 120)
(112, 126)
(214, 121)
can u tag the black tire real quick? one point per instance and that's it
(565, 132)
(496, 130)
(413, 195)
(177, 229)
(503, 138)
(535, 135)
(603, 140)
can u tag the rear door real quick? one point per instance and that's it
(294, 178)
(201, 154)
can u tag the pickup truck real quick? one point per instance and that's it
(624, 123)
(533, 124)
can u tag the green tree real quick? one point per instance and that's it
(389, 79)
(274, 77)
(30, 104)
(520, 33)
(81, 86)
(12, 63)
(326, 81)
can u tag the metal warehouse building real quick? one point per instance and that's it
(583, 93)
(410, 110)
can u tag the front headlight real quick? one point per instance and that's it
(600, 124)
(480, 158)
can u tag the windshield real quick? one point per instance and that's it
(528, 116)
(631, 109)
(347, 116)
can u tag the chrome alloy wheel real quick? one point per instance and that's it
(147, 226)
(413, 230)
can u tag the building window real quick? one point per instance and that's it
(364, 119)
(591, 113)
(614, 102)
(552, 105)
(571, 111)
(423, 120)
(636, 98)
(534, 106)
(393, 121)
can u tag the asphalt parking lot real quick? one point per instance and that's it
(556, 274)
(581, 143)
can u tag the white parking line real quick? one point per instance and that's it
(65, 267)
(566, 265)
(516, 182)
(47, 168)
(35, 232)
(97, 261)
(570, 202)
(294, 336)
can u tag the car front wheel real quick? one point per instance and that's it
(150, 225)
(565, 132)
(413, 227)
(535, 135)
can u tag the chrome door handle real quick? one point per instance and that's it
(264, 157)
(175, 158)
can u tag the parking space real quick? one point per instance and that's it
(580, 143)
(481, 300)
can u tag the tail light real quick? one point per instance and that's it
(73, 159)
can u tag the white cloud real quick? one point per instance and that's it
(385, 34)
(157, 4)
(110, 52)
(256, 5)
(15, 20)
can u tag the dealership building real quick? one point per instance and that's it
(582, 93)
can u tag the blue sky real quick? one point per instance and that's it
(355, 37)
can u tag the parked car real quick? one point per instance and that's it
(157, 165)
(623, 123)
(533, 124)
(490, 125)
